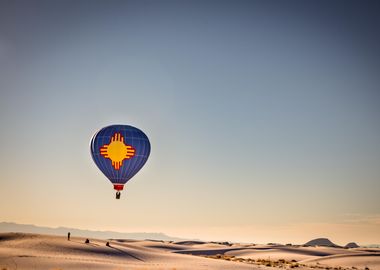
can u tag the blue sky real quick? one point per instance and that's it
(263, 116)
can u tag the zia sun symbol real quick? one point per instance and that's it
(117, 151)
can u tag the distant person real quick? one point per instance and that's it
(68, 236)
(108, 244)
(87, 241)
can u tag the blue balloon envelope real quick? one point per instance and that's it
(120, 151)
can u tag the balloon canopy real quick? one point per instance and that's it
(120, 151)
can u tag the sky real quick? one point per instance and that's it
(263, 116)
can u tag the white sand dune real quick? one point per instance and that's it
(328, 256)
(33, 251)
(358, 260)
(288, 253)
(271, 254)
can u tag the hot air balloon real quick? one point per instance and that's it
(119, 151)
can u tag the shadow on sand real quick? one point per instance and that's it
(126, 253)
(88, 244)
(102, 251)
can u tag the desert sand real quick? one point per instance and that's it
(35, 251)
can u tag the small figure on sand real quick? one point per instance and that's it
(87, 241)
(108, 244)
(68, 236)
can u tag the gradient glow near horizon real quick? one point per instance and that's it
(264, 117)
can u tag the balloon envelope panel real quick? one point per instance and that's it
(120, 151)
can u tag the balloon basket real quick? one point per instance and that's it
(118, 187)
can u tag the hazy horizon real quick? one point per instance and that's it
(263, 116)
(129, 235)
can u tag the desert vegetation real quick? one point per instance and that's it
(281, 263)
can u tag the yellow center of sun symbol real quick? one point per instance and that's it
(117, 151)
